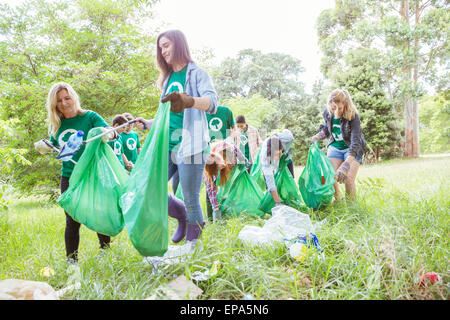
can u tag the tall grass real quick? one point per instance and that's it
(374, 247)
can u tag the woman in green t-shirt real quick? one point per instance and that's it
(347, 144)
(65, 116)
(190, 90)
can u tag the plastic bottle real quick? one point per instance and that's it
(71, 146)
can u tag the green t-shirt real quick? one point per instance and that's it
(243, 145)
(117, 147)
(220, 123)
(338, 142)
(176, 83)
(84, 123)
(130, 145)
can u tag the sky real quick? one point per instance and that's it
(228, 26)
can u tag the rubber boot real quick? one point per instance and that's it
(194, 231)
(177, 210)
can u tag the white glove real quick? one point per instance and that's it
(42, 147)
(108, 137)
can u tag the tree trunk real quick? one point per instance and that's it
(411, 129)
(410, 105)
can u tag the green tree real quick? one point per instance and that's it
(99, 47)
(413, 37)
(272, 75)
(8, 156)
(434, 122)
(258, 81)
(304, 120)
(255, 108)
(362, 78)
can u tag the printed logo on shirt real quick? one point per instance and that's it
(117, 148)
(179, 87)
(64, 136)
(215, 124)
(131, 144)
(338, 136)
(244, 140)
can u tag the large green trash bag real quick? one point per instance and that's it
(179, 193)
(240, 195)
(95, 187)
(287, 190)
(145, 199)
(256, 172)
(316, 183)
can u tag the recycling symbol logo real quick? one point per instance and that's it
(244, 140)
(117, 147)
(215, 124)
(175, 86)
(131, 144)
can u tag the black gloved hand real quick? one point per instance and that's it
(178, 101)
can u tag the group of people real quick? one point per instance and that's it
(205, 141)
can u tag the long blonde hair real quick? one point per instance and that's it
(53, 114)
(342, 95)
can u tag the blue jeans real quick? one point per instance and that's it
(190, 171)
(343, 154)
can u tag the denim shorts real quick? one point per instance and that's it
(343, 154)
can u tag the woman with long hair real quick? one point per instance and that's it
(223, 158)
(66, 117)
(347, 145)
(192, 95)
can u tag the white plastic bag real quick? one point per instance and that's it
(178, 289)
(174, 255)
(286, 222)
(16, 289)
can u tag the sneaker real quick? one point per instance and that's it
(72, 262)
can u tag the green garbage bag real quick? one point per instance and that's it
(256, 172)
(316, 182)
(95, 187)
(241, 194)
(179, 193)
(287, 190)
(145, 199)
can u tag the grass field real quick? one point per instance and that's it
(374, 247)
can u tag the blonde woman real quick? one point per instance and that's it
(347, 144)
(65, 117)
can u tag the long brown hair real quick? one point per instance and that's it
(211, 166)
(181, 53)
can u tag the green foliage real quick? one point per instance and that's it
(434, 117)
(363, 81)
(269, 83)
(254, 108)
(303, 120)
(272, 75)
(411, 42)
(99, 47)
(8, 157)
